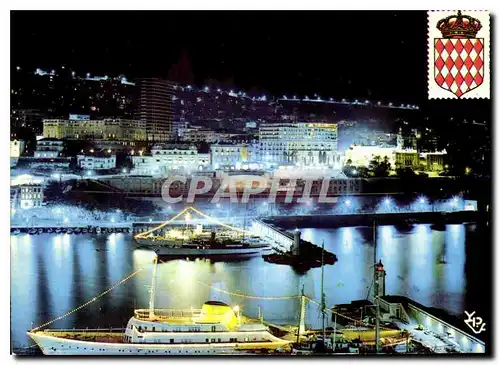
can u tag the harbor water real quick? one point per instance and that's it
(53, 274)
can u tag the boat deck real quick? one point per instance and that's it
(84, 335)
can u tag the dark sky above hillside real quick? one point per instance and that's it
(374, 55)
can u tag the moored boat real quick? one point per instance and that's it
(215, 329)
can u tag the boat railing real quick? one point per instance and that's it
(110, 329)
(167, 313)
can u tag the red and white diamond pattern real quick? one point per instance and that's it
(458, 64)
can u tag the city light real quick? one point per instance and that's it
(124, 171)
(387, 201)
(421, 200)
(348, 203)
(89, 173)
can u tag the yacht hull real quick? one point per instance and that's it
(52, 345)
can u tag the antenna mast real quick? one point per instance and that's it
(376, 290)
(152, 290)
(323, 303)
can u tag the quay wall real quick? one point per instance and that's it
(367, 219)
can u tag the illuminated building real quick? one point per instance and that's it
(16, 148)
(165, 157)
(195, 135)
(96, 161)
(407, 158)
(225, 156)
(95, 129)
(31, 196)
(155, 107)
(434, 161)
(299, 143)
(49, 148)
(360, 156)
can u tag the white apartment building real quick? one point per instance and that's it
(165, 157)
(225, 156)
(195, 135)
(16, 148)
(31, 196)
(48, 148)
(301, 144)
(96, 161)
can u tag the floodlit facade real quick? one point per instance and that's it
(407, 158)
(360, 156)
(299, 143)
(434, 161)
(98, 161)
(31, 196)
(98, 129)
(233, 155)
(166, 158)
(49, 148)
(195, 135)
(16, 148)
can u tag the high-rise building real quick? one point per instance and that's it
(154, 105)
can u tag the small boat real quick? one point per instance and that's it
(84, 230)
(77, 231)
(49, 230)
(58, 230)
(64, 230)
(32, 231)
(69, 231)
(40, 230)
(98, 230)
(16, 231)
(109, 230)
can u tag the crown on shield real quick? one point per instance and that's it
(459, 26)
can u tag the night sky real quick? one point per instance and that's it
(374, 55)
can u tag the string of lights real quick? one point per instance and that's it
(89, 301)
(250, 296)
(221, 223)
(143, 234)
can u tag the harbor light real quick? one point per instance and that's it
(387, 201)
(348, 203)
(124, 171)
(421, 200)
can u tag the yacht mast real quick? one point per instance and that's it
(376, 290)
(323, 303)
(152, 290)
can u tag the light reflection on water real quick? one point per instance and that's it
(51, 274)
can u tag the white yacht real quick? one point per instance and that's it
(215, 329)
